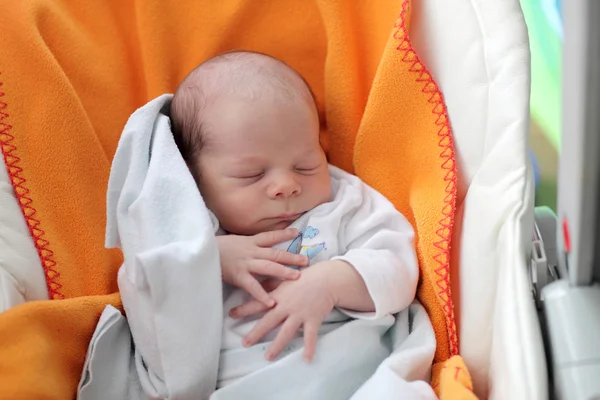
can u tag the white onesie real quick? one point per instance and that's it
(359, 226)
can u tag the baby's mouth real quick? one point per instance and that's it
(289, 216)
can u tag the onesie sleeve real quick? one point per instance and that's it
(379, 243)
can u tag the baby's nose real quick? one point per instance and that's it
(284, 187)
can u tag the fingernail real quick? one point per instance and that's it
(271, 302)
(232, 312)
(245, 342)
(307, 359)
(269, 356)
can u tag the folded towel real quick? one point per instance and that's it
(72, 72)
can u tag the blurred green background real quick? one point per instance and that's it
(546, 158)
(544, 23)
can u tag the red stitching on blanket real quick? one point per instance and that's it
(457, 372)
(448, 164)
(457, 375)
(15, 174)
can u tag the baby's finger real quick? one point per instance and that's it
(255, 289)
(250, 308)
(282, 257)
(311, 332)
(270, 321)
(286, 334)
(271, 238)
(271, 284)
(269, 268)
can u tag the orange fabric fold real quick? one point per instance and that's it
(72, 72)
(46, 359)
(451, 380)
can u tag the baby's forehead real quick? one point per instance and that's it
(240, 125)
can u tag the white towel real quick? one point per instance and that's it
(170, 281)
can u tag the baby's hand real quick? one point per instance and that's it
(242, 257)
(302, 303)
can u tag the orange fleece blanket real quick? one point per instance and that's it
(72, 72)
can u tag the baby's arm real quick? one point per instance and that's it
(379, 245)
(346, 286)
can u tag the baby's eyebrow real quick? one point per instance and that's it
(249, 159)
(245, 160)
(312, 153)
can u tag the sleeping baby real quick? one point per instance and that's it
(304, 246)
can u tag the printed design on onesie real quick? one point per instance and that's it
(311, 250)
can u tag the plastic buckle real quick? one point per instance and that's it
(538, 270)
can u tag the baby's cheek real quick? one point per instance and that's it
(320, 190)
(241, 209)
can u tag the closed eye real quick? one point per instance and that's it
(307, 170)
(253, 176)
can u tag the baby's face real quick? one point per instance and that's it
(263, 166)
